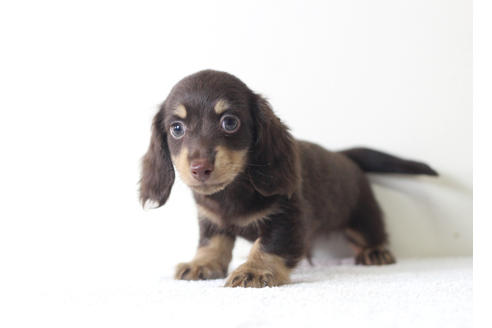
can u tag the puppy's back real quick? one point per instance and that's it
(330, 186)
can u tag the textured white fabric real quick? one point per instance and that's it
(426, 292)
(430, 292)
(412, 293)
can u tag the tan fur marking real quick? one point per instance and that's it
(355, 238)
(273, 262)
(228, 163)
(260, 270)
(183, 166)
(244, 221)
(221, 106)
(374, 256)
(180, 111)
(210, 261)
(241, 221)
(218, 248)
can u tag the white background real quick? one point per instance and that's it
(80, 83)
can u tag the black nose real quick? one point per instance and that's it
(201, 169)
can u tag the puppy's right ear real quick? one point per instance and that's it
(157, 169)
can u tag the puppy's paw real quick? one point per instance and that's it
(374, 256)
(247, 275)
(200, 270)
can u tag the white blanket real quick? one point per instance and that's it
(430, 292)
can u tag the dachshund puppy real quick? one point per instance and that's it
(251, 178)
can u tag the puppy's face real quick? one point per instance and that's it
(208, 124)
(212, 127)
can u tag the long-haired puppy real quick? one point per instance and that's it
(251, 178)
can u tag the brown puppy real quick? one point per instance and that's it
(251, 178)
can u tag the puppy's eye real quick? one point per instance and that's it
(230, 123)
(177, 130)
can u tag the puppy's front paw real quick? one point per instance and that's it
(247, 275)
(199, 270)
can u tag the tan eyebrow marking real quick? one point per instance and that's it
(220, 106)
(180, 111)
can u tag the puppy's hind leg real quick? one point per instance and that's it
(366, 231)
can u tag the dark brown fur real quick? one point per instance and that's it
(286, 191)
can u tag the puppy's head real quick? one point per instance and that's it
(214, 128)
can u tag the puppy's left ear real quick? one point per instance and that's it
(274, 165)
(157, 169)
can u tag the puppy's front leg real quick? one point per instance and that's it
(273, 255)
(212, 257)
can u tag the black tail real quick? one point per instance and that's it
(375, 161)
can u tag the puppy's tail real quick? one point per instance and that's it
(378, 162)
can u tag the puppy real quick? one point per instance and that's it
(251, 178)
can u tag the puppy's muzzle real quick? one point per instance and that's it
(201, 169)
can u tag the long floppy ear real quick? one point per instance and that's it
(274, 164)
(157, 176)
